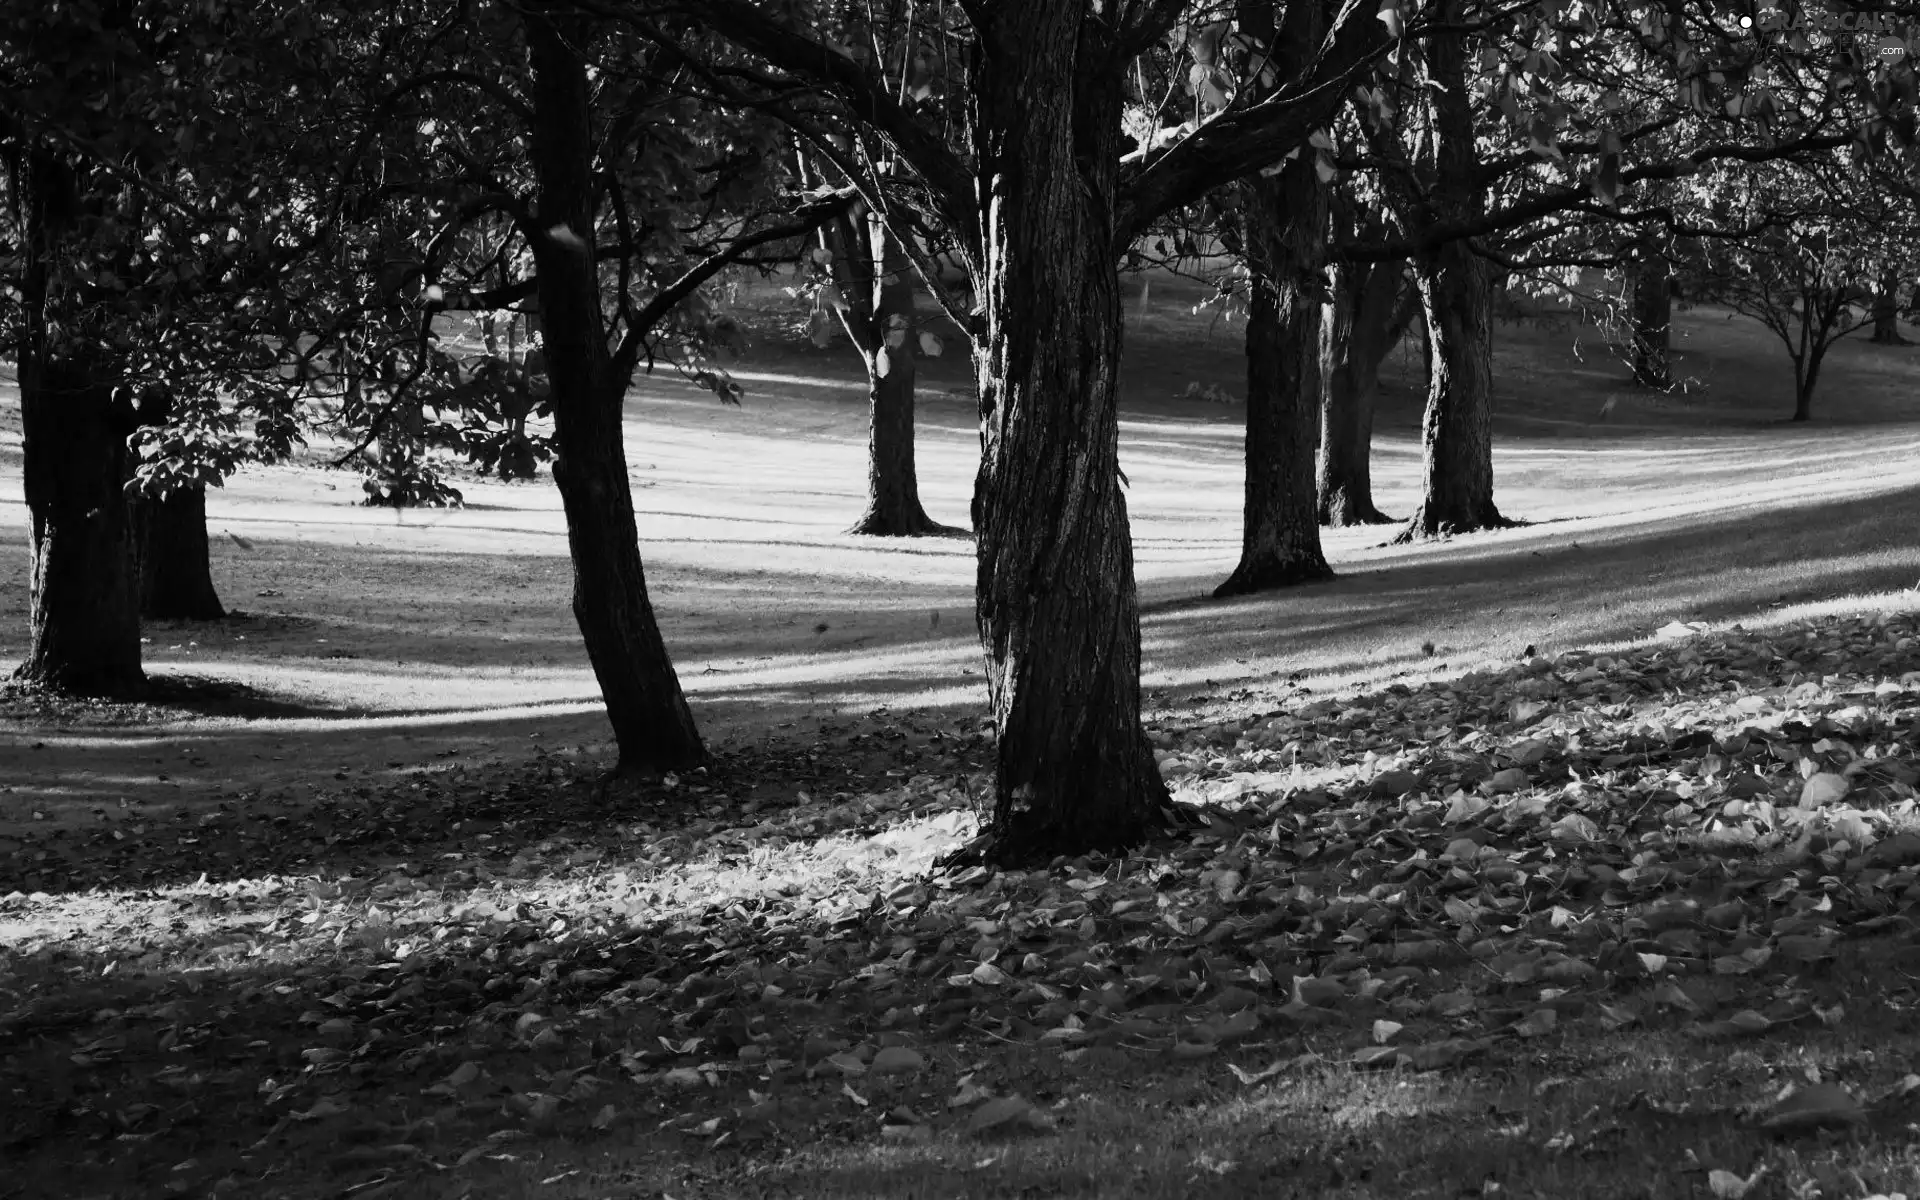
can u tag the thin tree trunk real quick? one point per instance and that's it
(1886, 311)
(82, 618)
(1284, 220)
(1058, 613)
(651, 722)
(1652, 320)
(1364, 318)
(879, 316)
(1457, 428)
(175, 567)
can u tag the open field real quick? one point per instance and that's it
(263, 939)
(398, 636)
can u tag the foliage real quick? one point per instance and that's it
(1812, 245)
(184, 217)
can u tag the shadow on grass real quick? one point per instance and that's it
(1495, 593)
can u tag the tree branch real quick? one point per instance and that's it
(807, 218)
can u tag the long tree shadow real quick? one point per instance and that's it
(1494, 594)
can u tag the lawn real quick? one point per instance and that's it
(1625, 913)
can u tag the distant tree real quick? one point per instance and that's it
(1812, 234)
(1886, 309)
(1368, 310)
(874, 291)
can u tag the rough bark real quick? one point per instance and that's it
(1058, 613)
(1364, 318)
(174, 563)
(1652, 320)
(83, 622)
(1886, 312)
(1283, 237)
(1284, 224)
(876, 287)
(651, 722)
(1457, 427)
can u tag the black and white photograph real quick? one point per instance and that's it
(979, 599)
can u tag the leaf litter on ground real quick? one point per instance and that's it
(1671, 835)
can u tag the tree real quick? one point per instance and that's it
(1583, 112)
(539, 155)
(141, 160)
(1796, 273)
(1652, 316)
(1015, 153)
(182, 449)
(1886, 310)
(874, 295)
(1282, 237)
(1369, 306)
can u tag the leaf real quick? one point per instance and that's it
(846, 1089)
(896, 1060)
(1822, 789)
(1385, 1031)
(1816, 1106)
(1009, 1112)
(931, 345)
(990, 975)
(1537, 1023)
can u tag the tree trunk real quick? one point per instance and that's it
(174, 563)
(1457, 428)
(1284, 223)
(1456, 433)
(1364, 318)
(1057, 610)
(82, 618)
(1283, 236)
(1652, 320)
(876, 284)
(83, 621)
(1886, 311)
(651, 722)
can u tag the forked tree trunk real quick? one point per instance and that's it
(1284, 240)
(876, 285)
(1457, 428)
(1364, 318)
(1652, 320)
(651, 722)
(82, 619)
(175, 570)
(1886, 311)
(1058, 614)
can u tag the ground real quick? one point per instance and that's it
(346, 913)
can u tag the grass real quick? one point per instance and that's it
(396, 827)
